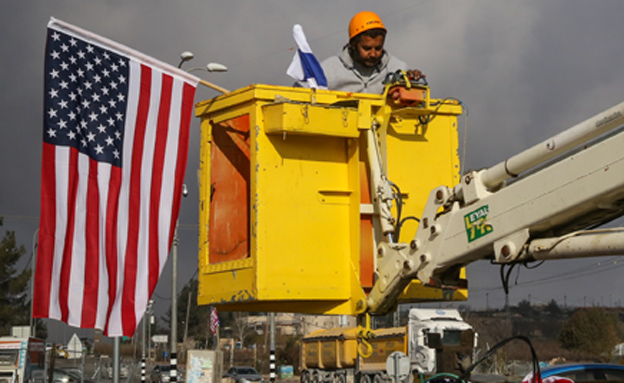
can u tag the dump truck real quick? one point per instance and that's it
(19, 358)
(432, 340)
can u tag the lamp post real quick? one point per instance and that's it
(173, 361)
(33, 324)
(174, 300)
(184, 57)
(211, 67)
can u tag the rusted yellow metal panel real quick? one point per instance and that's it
(310, 119)
(285, 221)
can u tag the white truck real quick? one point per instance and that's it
(436, 336)
(19, 358)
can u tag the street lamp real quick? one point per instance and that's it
(184, 57)
(211, 67)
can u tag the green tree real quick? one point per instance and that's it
(288, 353)
(14, 303)
(525, 309)
(41, 329)
(553, 309)
(592, 330)
(198, 316)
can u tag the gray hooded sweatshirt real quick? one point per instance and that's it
(344, 74)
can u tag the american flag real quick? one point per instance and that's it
(115, 144)
(214, 321)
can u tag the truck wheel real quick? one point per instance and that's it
(316, 378)
(365, 379)
(340, 378)
(305, 377)
(378, 379)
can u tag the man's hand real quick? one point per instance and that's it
(415, 74)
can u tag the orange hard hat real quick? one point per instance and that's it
(364, 21)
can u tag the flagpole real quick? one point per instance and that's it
(116, 355)
(213, 86)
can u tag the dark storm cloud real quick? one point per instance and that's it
(525, 69)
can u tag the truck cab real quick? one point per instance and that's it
(437, 338)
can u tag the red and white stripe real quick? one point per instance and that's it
(105, 232)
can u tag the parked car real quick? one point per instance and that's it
(59, 376)
(160, 373)
(243, 374)
(74, 371)
(582, 372)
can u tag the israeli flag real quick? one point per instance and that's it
(305, 67)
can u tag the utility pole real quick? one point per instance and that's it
(272, 355)
(33, 324)
(173, 377)
(145, 318)
(149, 334)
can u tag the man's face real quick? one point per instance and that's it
(369, 50)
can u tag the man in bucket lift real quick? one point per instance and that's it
(363, 64)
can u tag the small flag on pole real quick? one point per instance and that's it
(115, 144)
(305, 66)
(214, 321)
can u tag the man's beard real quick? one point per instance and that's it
(370, 63)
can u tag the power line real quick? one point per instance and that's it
(575, 273)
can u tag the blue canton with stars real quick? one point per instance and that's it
(86, 90)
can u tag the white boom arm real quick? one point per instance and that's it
(543, 215)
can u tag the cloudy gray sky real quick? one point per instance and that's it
(525, 69)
